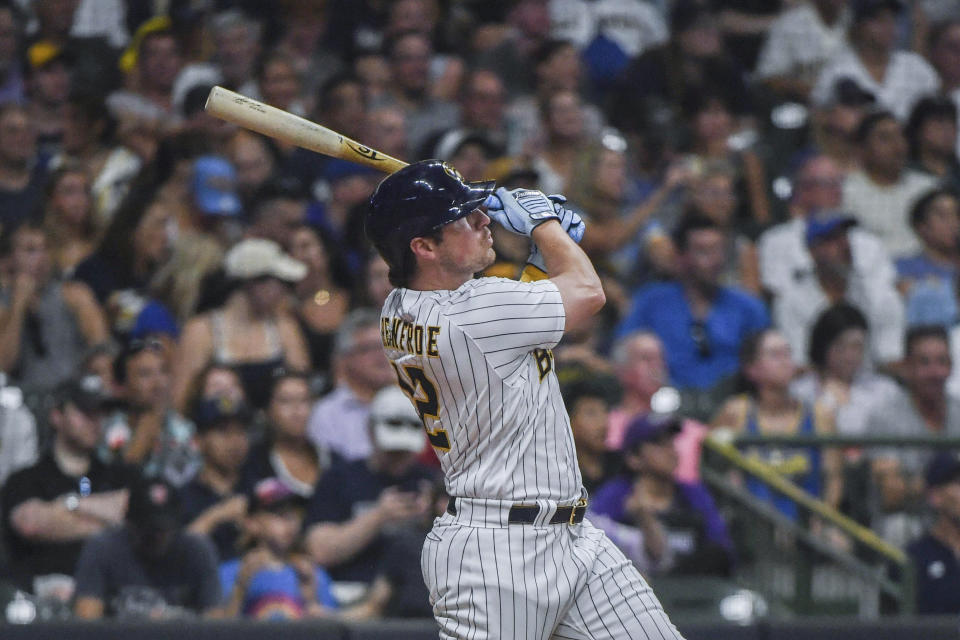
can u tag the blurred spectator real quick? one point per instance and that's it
(22, 171)
(935, 554)
(700, 322)
(834, 132)
(834, 279)
(323, 303)
(782, 249)
(278, 84)
(928, 279)
(18, 431)
(766, 408)
(236, 47)
(50, 508)
(68, 218)
(386, 130)
(409, 56)
(213, 504)
(711, 118)
(48, 87)
(148, 432)
(277, 210)
(608, 34)
(214, 207)
(423, 16)
(620, 237)
(210, 133)
(88, 140)
(132, 249)
(683, 532)
(340, 420)
(340, 218)
(469, 151)
(897, 78)
(840, 380)
(375, 283)
(528, 25)
(45, 323)
(588, 404)
(252, 331)
(921, 408)
(149, 568)
(945, 57)
(359, 504)
(640, 368)
(651, 90)
(153, 61)
(880, 194)
(483, 108)
(255, 158)
(12, 88)
(564, 135)
(558, 70)
(801, 42)
(932, 136)
(286, 453)
(274, 579)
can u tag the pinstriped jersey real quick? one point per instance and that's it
(477, 364)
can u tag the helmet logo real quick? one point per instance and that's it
(453, 173)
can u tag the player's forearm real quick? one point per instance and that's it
(572, 272)
(331, 544)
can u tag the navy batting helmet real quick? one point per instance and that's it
(416, 201)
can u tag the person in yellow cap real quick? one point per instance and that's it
(48, 87)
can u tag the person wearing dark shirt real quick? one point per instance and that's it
(149, 567)
(683, 530)
(588, 403)
(212, 504)
(50, 508)
(936, 554)
(23, 173)
(359, 504)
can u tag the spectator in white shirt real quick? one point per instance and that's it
(782, 249)
(801, 41)
(879, 194)
(897, 78)
(835, 279)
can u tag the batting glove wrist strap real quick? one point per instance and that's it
(521, 210)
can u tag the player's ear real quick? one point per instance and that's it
(423, 247)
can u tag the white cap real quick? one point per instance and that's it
(258, 257)
(395, 423)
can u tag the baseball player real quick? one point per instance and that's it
(513, 556)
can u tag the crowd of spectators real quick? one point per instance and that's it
(196, 415)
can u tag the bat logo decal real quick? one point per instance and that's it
(366, 152)
(250, 104)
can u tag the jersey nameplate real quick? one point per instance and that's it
(415, 339)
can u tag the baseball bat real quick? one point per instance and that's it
(283, 125)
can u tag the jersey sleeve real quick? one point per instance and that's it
(507, 319)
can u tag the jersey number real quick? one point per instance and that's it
(428, 405)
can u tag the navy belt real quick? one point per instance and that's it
(527, 513)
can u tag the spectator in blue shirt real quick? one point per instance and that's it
(700, 322)
(275, 580)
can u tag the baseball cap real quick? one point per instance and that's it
(271, 494)
(848, 93)
(865, 9)
(649, 428)
(214, 186)
(42, 53)
(153, 505)
(687, 14)
(395, 423)
(259, 257)
(823, 223)
(943, 469)
(87, 393)
(217, 411)
(450, 143)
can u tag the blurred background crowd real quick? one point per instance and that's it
(196, 414)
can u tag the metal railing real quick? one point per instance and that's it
(789, 570)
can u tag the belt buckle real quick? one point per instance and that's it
(581, 504)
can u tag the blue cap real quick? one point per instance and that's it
(337, 169)
(943, 469)
(154, 319)
(214, 186)
(215, 412)
(823, 223)
(649, 428)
